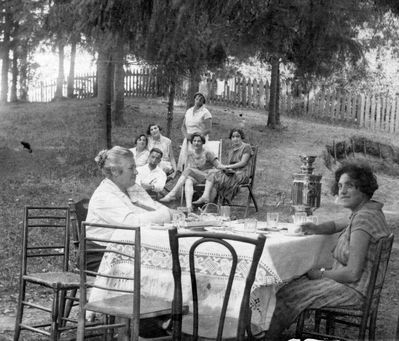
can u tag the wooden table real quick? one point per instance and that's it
(284, 258)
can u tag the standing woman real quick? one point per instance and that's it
(227, 180)
(200, 162)
(141, 151)
(157, 140)
(198, 119)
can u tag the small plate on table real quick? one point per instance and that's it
(161, 227)
(293, 234)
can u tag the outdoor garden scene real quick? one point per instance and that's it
(248, 147)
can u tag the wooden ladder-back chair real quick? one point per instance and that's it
(202, 326)
(78, 215)
(363, 317)
(216, 148)
(248, 185)
(120, 300)
(45, 244)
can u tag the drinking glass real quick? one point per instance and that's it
(225, 212)
(312, 219)
(299, 218)
(272, 219)
(250, 225)
(178, 219)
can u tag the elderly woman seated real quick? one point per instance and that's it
(118, 200)
(200, 162)
(346, 282)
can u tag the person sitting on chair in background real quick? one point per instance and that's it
(141, 151)
(346, 282)
(118, 200)
(157, 140)
(200, 162)
(150, 176)
(227, 180)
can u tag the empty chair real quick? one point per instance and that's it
(45, 258)
(121, 291)
(200, 324)
(363, 317)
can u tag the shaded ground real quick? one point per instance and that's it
(61, 167)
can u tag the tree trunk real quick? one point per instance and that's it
(71, 75)
(23, 73)
(6, 58)
(119, 84)
(61, 75)
(273, 117)
(171, 99)
(13, 95)
(193, 86)
(104, 70)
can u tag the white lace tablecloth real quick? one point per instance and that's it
(283, 259)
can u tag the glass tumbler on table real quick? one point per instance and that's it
(178, 219)
(250, 225)
(272, 219)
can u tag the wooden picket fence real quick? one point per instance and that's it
(371, 111)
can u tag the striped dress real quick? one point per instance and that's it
(304, 293)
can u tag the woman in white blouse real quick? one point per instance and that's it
(141, 151)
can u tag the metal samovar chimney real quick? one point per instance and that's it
(306, 187)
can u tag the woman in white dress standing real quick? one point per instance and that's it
(198, 119)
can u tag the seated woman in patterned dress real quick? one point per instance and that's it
(141, 151)
(226, 181)
(346, 282)
(200, 162)
(157, 140)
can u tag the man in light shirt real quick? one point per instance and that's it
(150, 176)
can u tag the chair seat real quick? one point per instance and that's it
(62, 280)
(122, 306)
(208, 326)
(353, 310)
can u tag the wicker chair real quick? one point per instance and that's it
(363, 317)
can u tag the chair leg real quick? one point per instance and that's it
(54, 314)
(317, 320)
(299, 325)
(20, 310)
(254, 200)
(68, 304)
(372, 325)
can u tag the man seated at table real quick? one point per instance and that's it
(150, 176)
(119, 200)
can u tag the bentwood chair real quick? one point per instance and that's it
(121, 291)
(248, 185)
(200, 325)
(363, 317)
(45, 258)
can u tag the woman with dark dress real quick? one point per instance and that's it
(227, 180)
(345, 284)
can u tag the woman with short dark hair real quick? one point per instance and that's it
(227, 180)
(345, 284)
(200, 162)
(141, 151)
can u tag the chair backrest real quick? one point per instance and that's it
(223, 239)
(215, 147)
(78, 215)
(45, 238)
(252, 167)
(378, 271)
(125, 245)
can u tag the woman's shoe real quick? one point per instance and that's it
(200, 201)
(168, 198)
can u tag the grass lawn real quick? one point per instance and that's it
(63, 139)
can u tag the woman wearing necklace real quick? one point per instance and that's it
(226, 181)
(197, 119)
(157, 140)
(200, 163)
(140, 152)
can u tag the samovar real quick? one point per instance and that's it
(306, 187)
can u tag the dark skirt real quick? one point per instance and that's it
(227, 185)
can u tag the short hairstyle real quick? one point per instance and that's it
(237, 130)
(138, 137)
(150, 126)
(156, 150)
(197, 135)
(202, 95)
(361, 173)
(110, 159)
